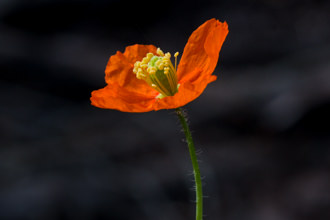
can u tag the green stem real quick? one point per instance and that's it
(197, 175)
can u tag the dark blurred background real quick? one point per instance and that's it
(262, 129)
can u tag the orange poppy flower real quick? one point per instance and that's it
(140, 81)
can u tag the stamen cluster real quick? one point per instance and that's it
(158, 72)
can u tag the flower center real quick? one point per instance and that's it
(158, 72)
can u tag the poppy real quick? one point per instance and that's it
(143, 78)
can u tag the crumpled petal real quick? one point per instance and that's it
(124, 91)
(197, 64)
(120, 68)
(198, 61)
(201, 53)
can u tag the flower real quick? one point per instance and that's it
(143, 78)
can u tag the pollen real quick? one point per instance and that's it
(159, 72)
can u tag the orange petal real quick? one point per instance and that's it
(120, 68)
(114, 96)
(124, 91)
(197, 64)
(187, 92)
(201, 53)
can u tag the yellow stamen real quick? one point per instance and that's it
(150, 55)
(160, 52)
(158, 72)
(176, 59)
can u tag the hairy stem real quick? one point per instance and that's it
(197, 175)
